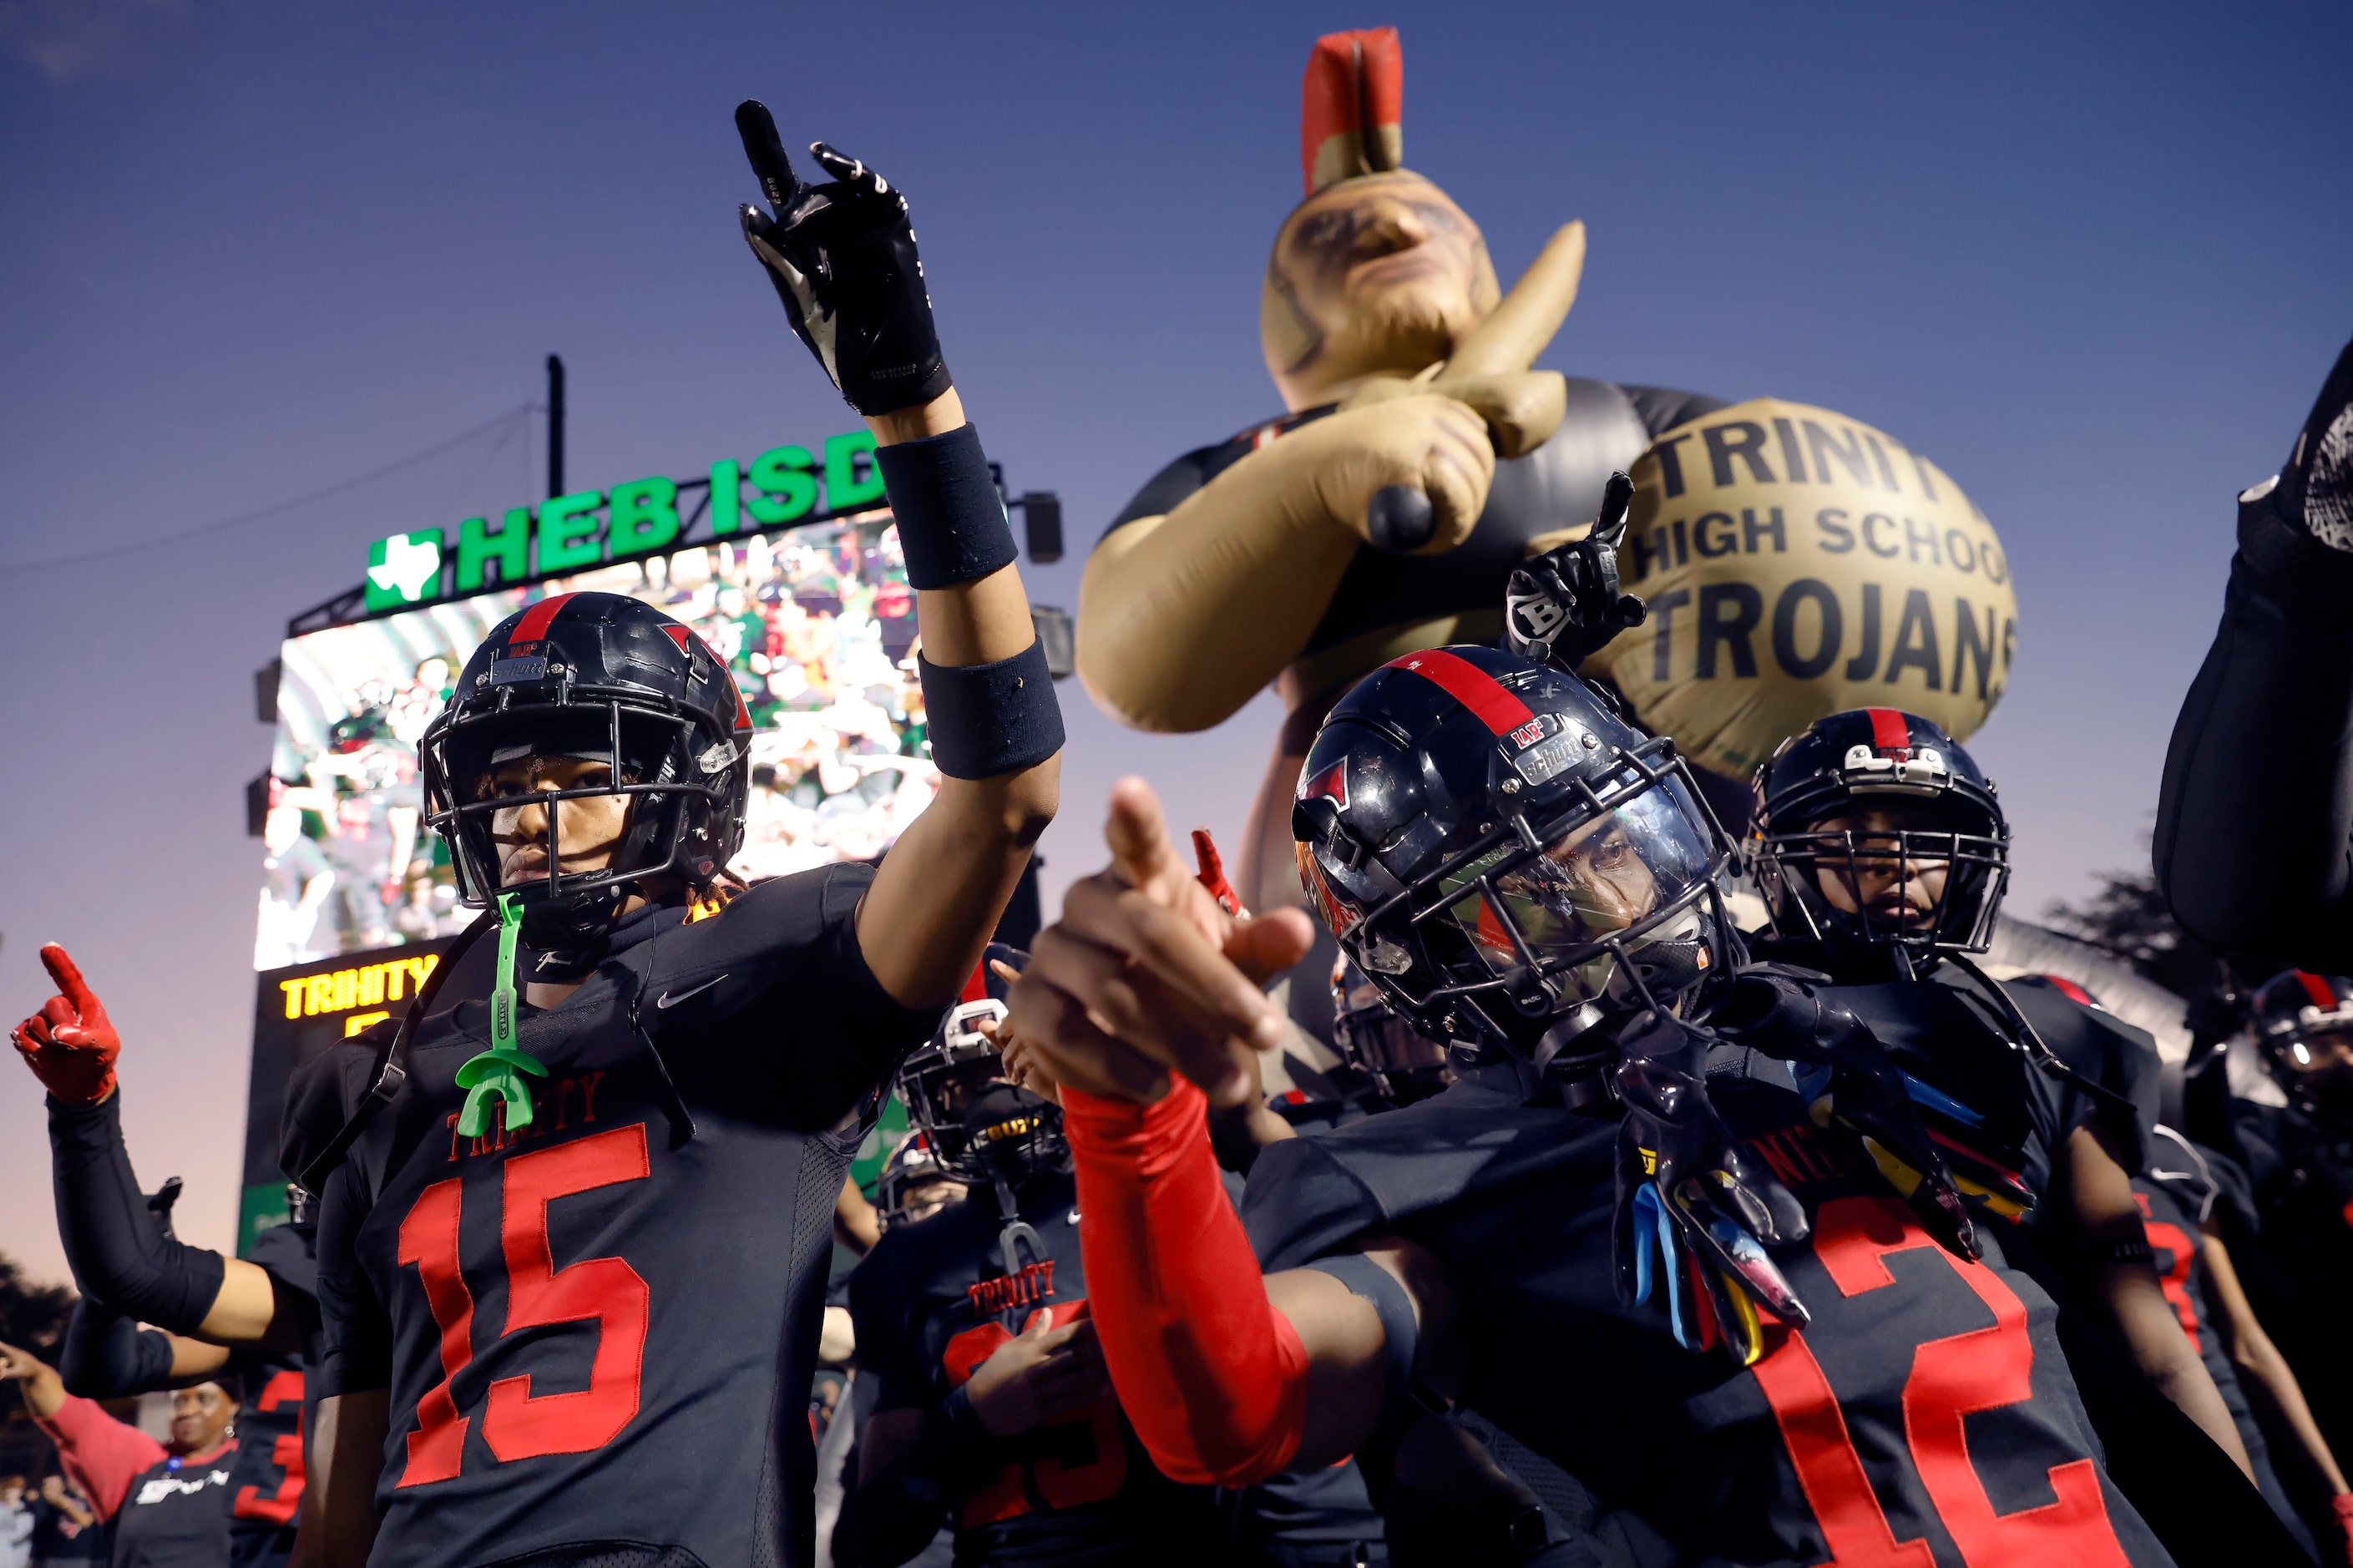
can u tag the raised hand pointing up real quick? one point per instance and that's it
(70, 1044)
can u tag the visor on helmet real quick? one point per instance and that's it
(1602, 887)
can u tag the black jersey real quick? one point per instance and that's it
(931, 1302)
(2178, 1190)
(2297, 1262)
(265, 1499)
(1556, 486)
(598, 1331)
(1925, 1416)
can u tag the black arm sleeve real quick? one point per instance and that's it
(108, 1356)
(894, 1513)
(117, 1250)
(355, 1354)
(2254, 823)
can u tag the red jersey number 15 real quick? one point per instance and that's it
(516, 1424)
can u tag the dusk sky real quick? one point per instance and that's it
(2094, 260)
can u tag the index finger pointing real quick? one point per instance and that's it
(1138, 835)
(63, 969)
(766, 149)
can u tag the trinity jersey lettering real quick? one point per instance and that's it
(932, 1302)
(598, 1330)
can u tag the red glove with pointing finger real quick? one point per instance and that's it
(70, 1044)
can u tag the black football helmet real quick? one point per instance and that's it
(2304, 1026)
(1849, 765)
(982, 1128)
(913, 1183)
(1402, 1064)
(607, 678)
(1510, 862)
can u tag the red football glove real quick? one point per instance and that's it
(1212, 874)
(70, 1044)
(2342, 1503)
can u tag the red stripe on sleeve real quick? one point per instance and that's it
(535, 620)
(1471, 685)
(1888, 731)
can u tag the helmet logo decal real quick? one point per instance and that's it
(1330, 784)
(1471, 685)
(1528, 734)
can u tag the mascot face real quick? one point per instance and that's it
(1382, 272)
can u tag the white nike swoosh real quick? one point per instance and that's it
(668, 1000)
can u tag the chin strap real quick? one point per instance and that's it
(499, 1069)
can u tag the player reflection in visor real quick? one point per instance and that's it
(1606, 876)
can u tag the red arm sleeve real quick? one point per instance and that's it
(104, 1455)
(1211, 1376)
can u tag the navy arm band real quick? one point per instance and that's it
(1364, 1278)
(118, 1249)
(991, 719)
(952, 526)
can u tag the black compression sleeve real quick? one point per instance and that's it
(894, 1513)
(108, 1356)
(2255, 815)
(117, 1250)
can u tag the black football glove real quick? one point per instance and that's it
(1565, 604)
(842, 257)
(1776, 1009)
(1692, 1201)
(2316, 485)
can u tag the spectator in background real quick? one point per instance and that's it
(168, 1503)
(16, 1523)
(66, 1531)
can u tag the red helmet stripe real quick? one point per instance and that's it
(2069, 989)
(535, 620)
(2323, 995)
(1889, 733)
(977, 988)
(678, 636)
(1471, 685)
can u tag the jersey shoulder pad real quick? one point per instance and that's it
(1308, 1197)
(289, 1255)
(323, 1093)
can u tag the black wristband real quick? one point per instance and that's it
(952, 526)
(991, 719)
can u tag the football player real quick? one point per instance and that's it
(994, 1406)
(1882, 853)
(1570, 1238)
(2256, 811)
(2299, 1160)
(575, 1221)
(252, 1319)
(994, 1410)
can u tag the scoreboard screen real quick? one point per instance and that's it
(816, 625)
(357, 899)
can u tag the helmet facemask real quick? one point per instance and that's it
(675, 781)
(1591, 899)
(2303, 1026)
(1861, 874)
